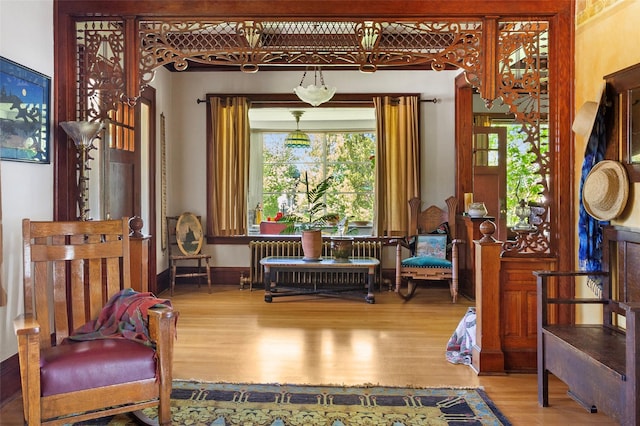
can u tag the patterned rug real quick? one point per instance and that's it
(221, 404)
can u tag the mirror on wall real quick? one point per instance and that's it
(624, 90)
(634, 126)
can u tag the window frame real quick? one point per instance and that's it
(284, 100)
(257, 191)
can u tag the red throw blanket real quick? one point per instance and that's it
(124, 316)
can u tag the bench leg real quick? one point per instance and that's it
(543, 387)
(543, 374)
(589, 407)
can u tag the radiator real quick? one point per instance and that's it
(262, 249)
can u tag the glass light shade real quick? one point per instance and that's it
(82, 132)
(315, 95)
(297, 139)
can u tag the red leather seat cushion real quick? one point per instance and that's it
(84, 365)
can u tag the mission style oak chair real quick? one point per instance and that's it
(432, 246)
(71, 269)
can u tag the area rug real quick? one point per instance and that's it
(224, 404)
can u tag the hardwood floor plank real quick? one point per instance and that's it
(232, 335)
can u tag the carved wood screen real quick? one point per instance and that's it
(505, 59)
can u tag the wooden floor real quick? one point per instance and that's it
(232, 335)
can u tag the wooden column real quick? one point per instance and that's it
(139, 256)
(469, 231)
(487, 354)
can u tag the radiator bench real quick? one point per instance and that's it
(262, 249)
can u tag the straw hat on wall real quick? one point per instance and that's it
(586, 116)
(605, 190)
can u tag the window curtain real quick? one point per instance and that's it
(227, 165)
(397, 162)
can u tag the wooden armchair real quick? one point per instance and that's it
(432, 246)
(71, 269)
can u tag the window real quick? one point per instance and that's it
(524, 180)
(276, 171)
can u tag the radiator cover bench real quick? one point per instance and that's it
(265, 248)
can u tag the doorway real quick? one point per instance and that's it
(146, 141)
(489, 174)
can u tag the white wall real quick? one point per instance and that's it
(164, 105)
(187, 174)
(26, 37)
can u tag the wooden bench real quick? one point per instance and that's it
(599, 362)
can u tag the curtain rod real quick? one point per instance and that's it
(432, 100)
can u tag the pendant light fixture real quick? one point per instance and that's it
(314, 94)
(297, 138)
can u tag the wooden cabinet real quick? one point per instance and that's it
(518, 313)
(506, 306)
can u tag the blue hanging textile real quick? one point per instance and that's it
(589, 228)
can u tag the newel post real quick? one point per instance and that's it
(487, 355)
(139, 255)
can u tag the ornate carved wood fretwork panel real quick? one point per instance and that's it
(504, 59)
(366, 45)
(101, 75)
(523, 80)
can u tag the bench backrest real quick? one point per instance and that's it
(620, 257)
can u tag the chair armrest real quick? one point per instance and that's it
(26, 324)
(630, 306)
(542, 287)
(162, 319)
(162, 330)
(402, 242)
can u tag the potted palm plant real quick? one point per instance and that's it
(310, 218)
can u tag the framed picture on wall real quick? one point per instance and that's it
(24, 113)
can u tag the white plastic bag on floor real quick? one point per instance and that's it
(464, 337)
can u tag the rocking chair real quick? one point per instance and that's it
(433, 249)
(71, 270)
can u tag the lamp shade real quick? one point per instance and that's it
(315, 95)
(297, 138)
(82, 132)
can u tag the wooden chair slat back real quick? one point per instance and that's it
(77, 291)
(427, 220)
(60, 312)
(72, 268)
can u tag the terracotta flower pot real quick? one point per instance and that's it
(312, 244)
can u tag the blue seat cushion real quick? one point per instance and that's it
(426, 262)
(76, 366)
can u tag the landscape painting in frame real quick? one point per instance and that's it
(24, 113)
